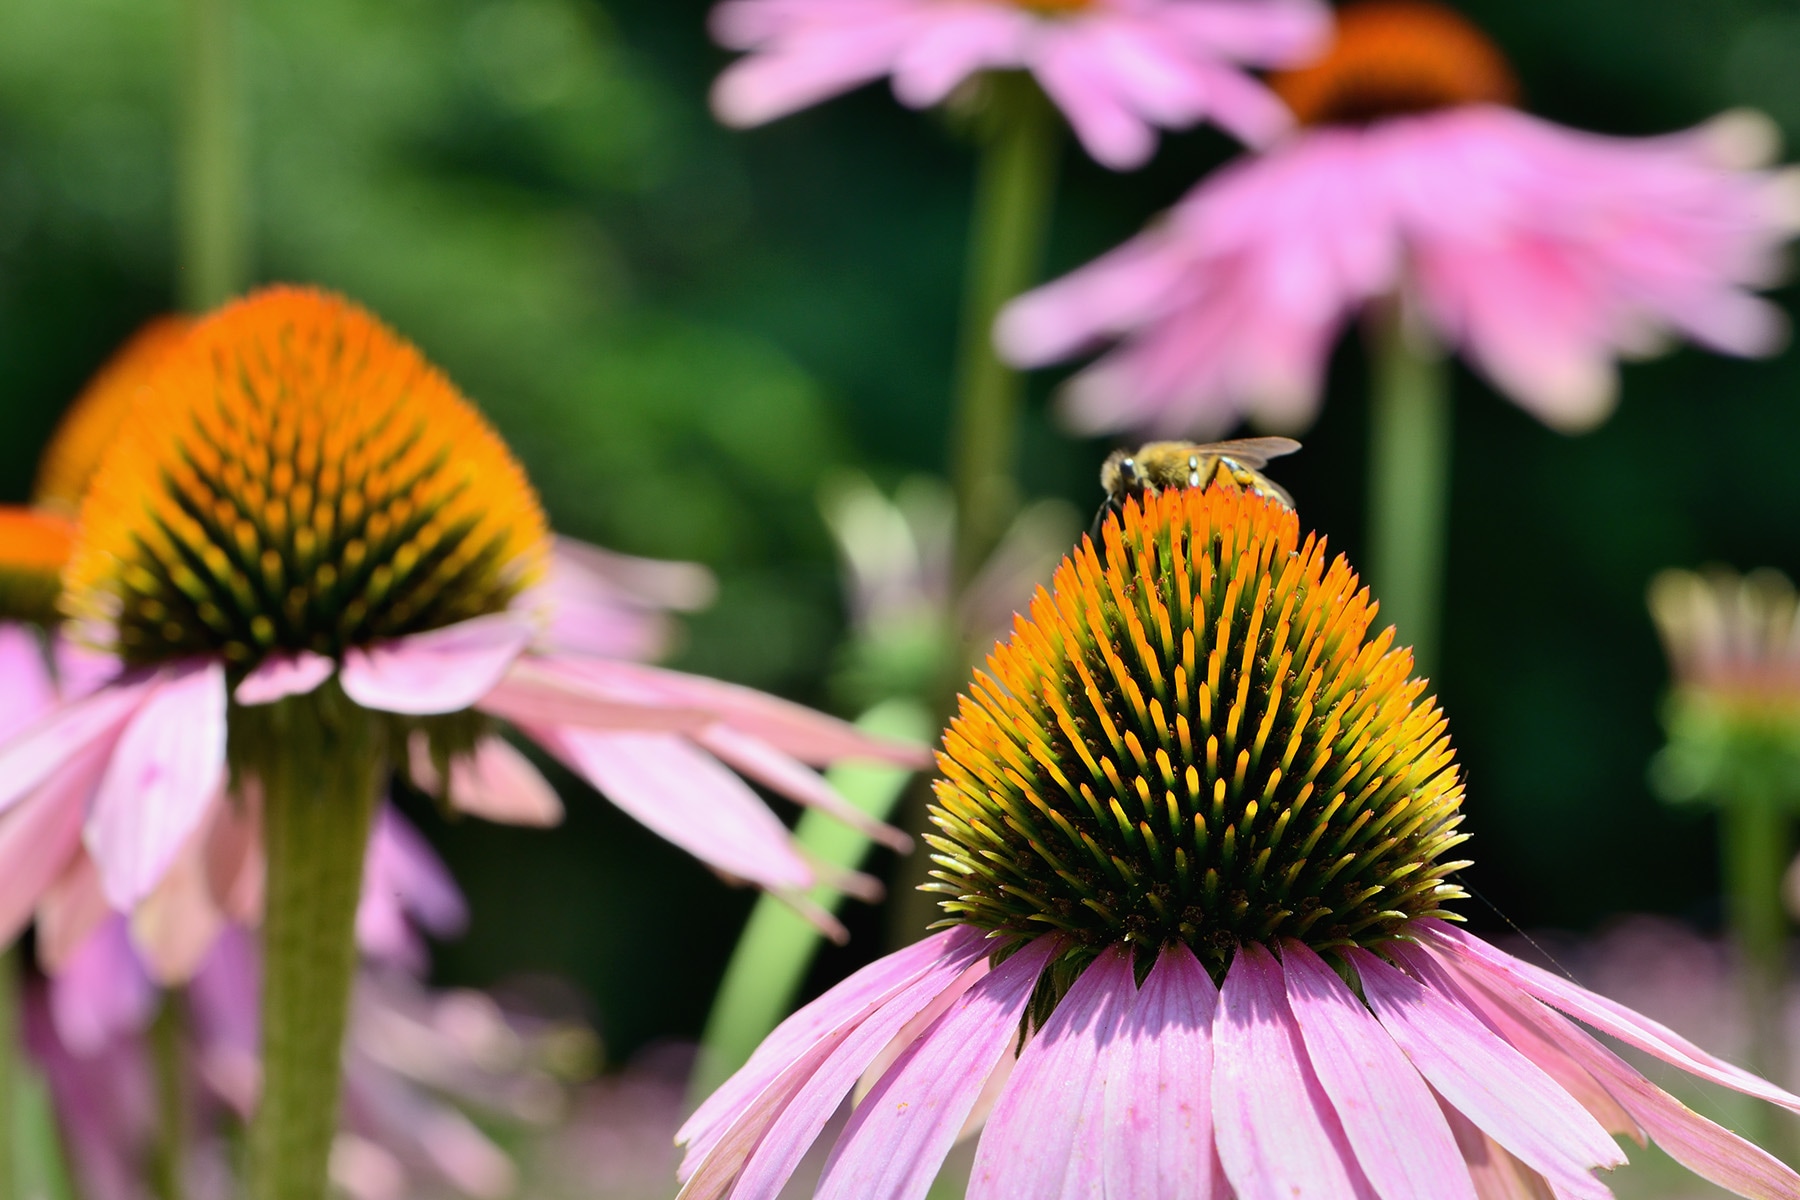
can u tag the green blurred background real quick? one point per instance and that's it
(683, 330)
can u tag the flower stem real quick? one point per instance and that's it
(1409, 481)
(212, 191)
(168, 1165)
(776, 948)
(1013, 193)
(321, 768)
(11, 1074)
(1755, 844)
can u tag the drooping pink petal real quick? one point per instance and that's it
(35, 755)
(235, 868)
(497, 783)
(686, 796)
(798, 782)
(27, 693)
(792, 1133)
(1158, 1127)
(1388, 1113)
(404, 882)
(726, 1128)
(102, 992)
(546, 691)
(39, 838)
(1277, 1133)
(73, 907)
(166, 772)
(176, 925)
(1496, 1174)
(81, 671)
(1488, 1081)
(898, 1137)
(223, 1008)
(1045, 1138)
(444, 671)
(923, 1020)
(1608, 1017)
(282, 675)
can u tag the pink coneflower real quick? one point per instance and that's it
(1542, 253)
(1193, 849)
(1118, 69)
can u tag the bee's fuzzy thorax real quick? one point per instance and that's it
(1194, 738)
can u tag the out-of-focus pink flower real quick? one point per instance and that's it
(1541, 253)
(1454, 1070)
(125, 786)
(1118, 69)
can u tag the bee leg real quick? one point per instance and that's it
(1110, 507)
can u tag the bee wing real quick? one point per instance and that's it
(1268, 484)
(1251, 452)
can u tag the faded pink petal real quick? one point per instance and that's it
(33, 757)
(175, 926)
(1045, 1137)
(798, 782)
(39, 837)
(497, 783)
(165, 774)
(551, 691)
(235, 869)
(282, 675)
(444, 671)
(898, 1137)
(687, 797)
(102, 993)
(27, 693)
(1158, 1119)
(73, 907)
(1278, 1135)
(1388, 1113)
(404, 883)
(612, 605)
(1488, 1081)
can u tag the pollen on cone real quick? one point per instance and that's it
(1194, 738)
(295, 476)
(1397, 56)
(93, 421)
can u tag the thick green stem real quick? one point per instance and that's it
(1013, 194)
(776, 948)
(213, 193)
(1409, 482)
(169, 1164)
(321, 768)
(11, 1075)
(1755, 847)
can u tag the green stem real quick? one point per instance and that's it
(11, 1074)
(169, 1164)
(321, 769)
(1013, 194)
(1755, 845)
(776, 948)
(1409, 482)
(212, 191)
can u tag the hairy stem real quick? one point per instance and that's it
(212, 190)
(1409, 482)
(1755, 845)
(321, 771)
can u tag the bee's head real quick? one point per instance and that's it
(1120, 473)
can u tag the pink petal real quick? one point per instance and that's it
(1158, 1127)
(1608, 1017)
(1389, 1116)
(1496, 1174)
(282, 675)
(176, 925)
(28, 693)
(102, 993)
(899, 1135)
(497, 783)
(444, 671)
(648, 582)
(165, 773)
(545, 691)
(404, 881)
(36, 755)
(72, 908)
(1278, 1135)
(39, 837)
(1488, 1081)
(235, 868)
(1044, 1141)
(791, 1134)
(809, 736)
(798, 782)
(686, 796)
(753, 1097)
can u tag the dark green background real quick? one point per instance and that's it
(683, 329)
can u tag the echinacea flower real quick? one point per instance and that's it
(1542, 253)
(1118, 69)
(335, 512)
(1193, 846)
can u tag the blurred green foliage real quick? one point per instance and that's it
(682, 330)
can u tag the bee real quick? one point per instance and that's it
(1159, 465)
